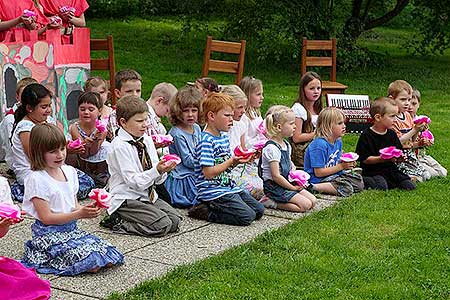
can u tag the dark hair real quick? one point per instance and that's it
(31, 96)
(124, 76)
(44, 138)
(318, 105)
(379, 106)
(89, 97)
(209, 84)
(128, 106)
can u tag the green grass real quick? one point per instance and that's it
(374, 245)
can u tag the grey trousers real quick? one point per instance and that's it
(148, 219)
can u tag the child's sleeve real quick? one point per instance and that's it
(5, 191)
(271, 153)
(35, 187)
(184, 151)
(205, 150)
(318, 157)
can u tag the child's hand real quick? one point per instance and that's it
(77, 150)
(420, 127)
(348, 165)
(67, 15)
(159, 145)
(164, 167)
(425, 142)
(4, 226)
(397, 160)
(241, 160)
(90, 211)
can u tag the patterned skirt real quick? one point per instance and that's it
(67, 250)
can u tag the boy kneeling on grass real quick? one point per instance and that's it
(220, 199)
(135, 170)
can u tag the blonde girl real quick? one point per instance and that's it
(57, 245)
(184, 110)
(100, 85)
(306, 109)
(245, 175)
(93, 159)
(276, 164)
(253, 89)
(329, 174)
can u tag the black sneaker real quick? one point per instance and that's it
(111, 221)
(310, 188)
(199, 211)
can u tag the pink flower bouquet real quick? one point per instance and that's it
(55, 20)
(299, 177)
(243, 153)
(422, 119)
(101, 197)
(428, 135)
(171, 157)
(349, 157)
(10, 211)
(390, 152)
(101, 125)
(259, 145)
(262, 129)
(67, 8)
(29, 13)
(75, 144)
(162, 139)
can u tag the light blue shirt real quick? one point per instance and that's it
(184, 146)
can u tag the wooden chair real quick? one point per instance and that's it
(232, 67)
(105, 63)
(330, 86)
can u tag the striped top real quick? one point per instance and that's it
(213, 150)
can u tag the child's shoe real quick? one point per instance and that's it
(199, 211)
(268, 203)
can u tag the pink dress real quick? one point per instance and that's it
(12, 9)
(20, 283)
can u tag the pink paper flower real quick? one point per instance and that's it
(243, 153)
(75, 144)
(259, 145)
(29, 13)
(56, 20)
(299, 177)
(101, 125)
(67, 8)
(162, 139)
(422, 119)
(101, 197)
(11, 211)
(171, 157)
(390, 152)
(9, 112)
(262, 129)
(428, 135)
(349, 157)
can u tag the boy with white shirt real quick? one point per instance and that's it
(135, 171)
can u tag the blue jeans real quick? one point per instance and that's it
(239, 209)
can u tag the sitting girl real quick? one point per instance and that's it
(329, 174)
(186, 133)
(35, 109)
(57, 245)
(99, 85)
(306, 109)
(17, 281)
(275, 163)
(93, 159)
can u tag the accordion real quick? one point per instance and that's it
(355, 109)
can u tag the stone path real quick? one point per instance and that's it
(147, 258)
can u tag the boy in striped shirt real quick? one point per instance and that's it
(219, 199)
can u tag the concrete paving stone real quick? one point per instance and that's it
(327, 197)
(205, 241)
(64, 295)
(284, 214)
(12, 244)
(117, 279)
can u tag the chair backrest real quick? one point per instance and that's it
(328, 46)
(234, 67)
(105, 63)
(355, 108)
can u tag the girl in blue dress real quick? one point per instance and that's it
(186, 133)
(57, 245)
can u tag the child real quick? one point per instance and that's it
(7, 123)
(380, 173)
(17, 281)
(329, 174)
(220, 200)
(429, 163)
(158, 107)
(135, 169)
(69, 18)
(184, 108)
(35, 109)
(253, 89)
(245, 175)
(275, 163)
(127, 82)
(306, 109)
(206, 86)
(93, 159)
(99, 85)
(57, 245)
(401, 92)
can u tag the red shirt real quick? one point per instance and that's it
(51, 7)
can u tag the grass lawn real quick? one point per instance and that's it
(374, 245)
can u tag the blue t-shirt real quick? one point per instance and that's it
(213, 150)
(321, 154)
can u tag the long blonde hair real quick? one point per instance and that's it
(276, 115)
(328, 117)
(249, 85)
